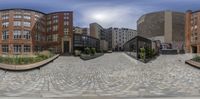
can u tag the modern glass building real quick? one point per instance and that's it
(82, 41)
(133, 46)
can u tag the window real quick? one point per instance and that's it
(66, 14)
(17, 23)
(27, 34)
(27, 24)
(17, 34)
(17, 16)
(27, 48)
(55, 21)
(5, 48)
(55, 37)
(48, 17)
(4, 17)
(66, 17)
(55, 28)
(5, 24)
(66, 31)
(66, 22)
(55, 16)
(48, 22)
(27, 17)
(38, 36)
(17, 48)
(49, 38)
(48, 29)
(5, 35)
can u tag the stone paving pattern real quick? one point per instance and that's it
(114, 74)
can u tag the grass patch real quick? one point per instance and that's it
(23, 60)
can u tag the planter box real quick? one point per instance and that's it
(88, 57)
(193, 63)
(28, 66)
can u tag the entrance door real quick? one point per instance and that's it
(194, 49)
(66, 46)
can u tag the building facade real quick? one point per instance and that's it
(82, 41)
(166, 26)
(25, 31)
(79, 30)
(120, 36)
(97, 31)
(192, 31)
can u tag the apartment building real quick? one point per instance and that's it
(25, 31)
(192, 31)
(120, 36)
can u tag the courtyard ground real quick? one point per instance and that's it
(111, 75)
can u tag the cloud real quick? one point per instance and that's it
(115, 16)
(115, 13)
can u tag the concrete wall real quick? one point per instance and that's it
(168, 27)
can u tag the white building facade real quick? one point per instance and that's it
(120, 36)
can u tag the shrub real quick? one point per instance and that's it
(93, 51)
(77, 52)
(142, 53)
(87, 50)
(196, 58)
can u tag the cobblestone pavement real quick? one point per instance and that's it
(114, 74)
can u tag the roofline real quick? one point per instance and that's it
(36, 11)
(22, 9)
(60, 12)
(158, 12)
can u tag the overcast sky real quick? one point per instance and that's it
(108, 13)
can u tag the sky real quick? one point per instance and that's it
(108, 13)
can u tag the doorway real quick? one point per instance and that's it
(66, 46)
(194, 49)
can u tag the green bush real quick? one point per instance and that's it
(93, 51)
(20, 60)
(142, 53)
(196, 58)
(87, 51)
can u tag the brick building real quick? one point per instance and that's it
(192, 31)
(25, 31)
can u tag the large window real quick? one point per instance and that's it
(66, 23)
(55, 21)
(17, 48)
(55, 16)
(55, 28)
(17, 16)
(37, 36)
(27, 17)
(5, 48)
(66, 31)
(49, 38)
(17, 23)
(17, 34)
(49, 22)
(66, 17)
(5, 24)
(48, 29)
(5, 35)
(27, 34)
(27, 48)
(55, 37)
(27, 24)
(4, 17)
